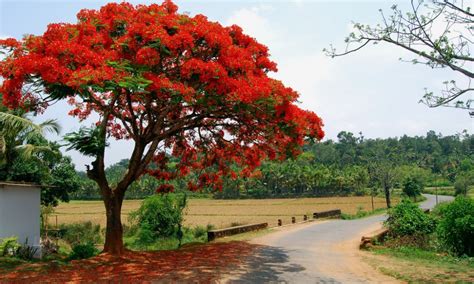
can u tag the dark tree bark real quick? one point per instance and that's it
(114, 231)
(387, 196)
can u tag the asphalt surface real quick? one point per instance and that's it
(319, 252)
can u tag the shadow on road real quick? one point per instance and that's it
(265, 265)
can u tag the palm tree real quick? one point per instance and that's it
(20, 137)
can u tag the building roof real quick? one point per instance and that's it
(21, 184)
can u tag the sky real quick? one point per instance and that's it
(370, 91)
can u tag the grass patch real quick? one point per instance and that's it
(197, 235)
(363, 214)
(446, 190)
(417, 265)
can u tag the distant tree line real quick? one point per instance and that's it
(352, 165)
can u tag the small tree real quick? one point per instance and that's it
(171, 83)
(462, 183)
(383, 175)
(160, 216)
(412, 187)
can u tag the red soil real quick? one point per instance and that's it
(201, 264)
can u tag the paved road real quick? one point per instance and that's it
(322, 252)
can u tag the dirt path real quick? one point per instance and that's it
(319, 252)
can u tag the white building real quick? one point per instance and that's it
(20, 213)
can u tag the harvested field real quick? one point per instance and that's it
(222, 213)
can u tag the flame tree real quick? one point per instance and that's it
(171, 83)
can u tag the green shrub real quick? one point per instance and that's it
(145, 235)
(200, 232)
(407, 219)
(81, 233)
(159, 216)
(82, 251)
(9, 246)
(462, 183)
(25, 251)
(413, 186)
(456, 226)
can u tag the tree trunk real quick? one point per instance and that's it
(114, 230)
(387, 197)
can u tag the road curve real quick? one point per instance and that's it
(320, 252)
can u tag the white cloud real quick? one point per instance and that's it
(254, 23)
(305, 73)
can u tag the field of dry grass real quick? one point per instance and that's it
(222, 213)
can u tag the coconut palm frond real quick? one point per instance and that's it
(3, 150)
(13, 123)
(3, 145)
(27, 150)
(50, 126)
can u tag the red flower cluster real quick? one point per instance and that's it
(199, 89)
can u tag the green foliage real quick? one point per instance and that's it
(11, 247)
(83, 251)
(462, 182)
(407, 219)
(8, 246)
(25, 251)
(87, 141)
(190, 236)
(81, 233)
(456, 225)
(200, 232)
(26, 156)
(21, 138)
(159, 216)
(62, 181)
(157, 225)
(413, 186)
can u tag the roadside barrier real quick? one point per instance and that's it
(373, 238)
(327, 214)
(220, 233)
(214, 234)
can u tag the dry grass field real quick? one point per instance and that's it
(222, 213)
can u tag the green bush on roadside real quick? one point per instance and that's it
(456, 226)
(407, 219)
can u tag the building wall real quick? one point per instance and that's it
(20, 213)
